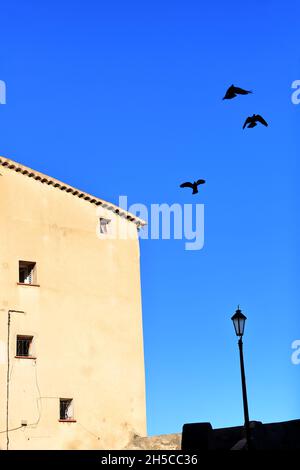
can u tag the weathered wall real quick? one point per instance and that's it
(161, 442)
(85, 318)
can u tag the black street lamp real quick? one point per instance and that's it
(239, 320)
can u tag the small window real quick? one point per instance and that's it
(24, 346)
(104, 225)
(27, 272)
(66, 409)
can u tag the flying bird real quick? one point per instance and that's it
(233, 91)
(193, 186)
(252, 121)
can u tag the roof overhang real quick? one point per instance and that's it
(36, 175)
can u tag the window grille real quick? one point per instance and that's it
(104, 225)
(65, 408)
(27, 271)
(24, 345)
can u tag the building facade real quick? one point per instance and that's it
(71, 342)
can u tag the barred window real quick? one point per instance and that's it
(103, 224)
(66, 408)
(24, 346)
(27, 272)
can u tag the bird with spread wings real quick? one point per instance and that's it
(193, 186)
(233, 91)
(252, 121)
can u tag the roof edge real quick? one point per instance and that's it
(29, 172)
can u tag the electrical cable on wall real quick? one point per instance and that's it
(38, 399)
(7, 380)
(8, 373)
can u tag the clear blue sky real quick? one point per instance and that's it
(124, 98)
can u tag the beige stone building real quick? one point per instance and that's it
(71, 343)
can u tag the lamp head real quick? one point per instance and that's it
(239, 320)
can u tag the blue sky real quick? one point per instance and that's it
(124, 98)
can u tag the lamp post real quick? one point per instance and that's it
(239, 320)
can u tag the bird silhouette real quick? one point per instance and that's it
(252, 121)
(193, 186)
(233, 91)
